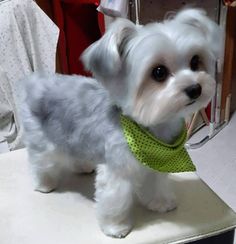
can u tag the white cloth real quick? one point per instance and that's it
(28, 40)
(67, 215)
(114, 8)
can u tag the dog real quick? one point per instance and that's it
(156, 75)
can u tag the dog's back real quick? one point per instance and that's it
(69, 112)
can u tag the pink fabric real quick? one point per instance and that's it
(231, 3)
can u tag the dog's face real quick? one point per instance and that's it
(161, 70)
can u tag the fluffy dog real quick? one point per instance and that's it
(156, 75)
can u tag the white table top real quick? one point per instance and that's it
(67, 215)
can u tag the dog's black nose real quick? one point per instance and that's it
(193, 91)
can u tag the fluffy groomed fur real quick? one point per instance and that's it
(156, 74)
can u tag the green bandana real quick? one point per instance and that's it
(155, 154)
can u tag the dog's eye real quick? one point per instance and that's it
(194, 63)
(160, 73)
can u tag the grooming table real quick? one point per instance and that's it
(67, 216)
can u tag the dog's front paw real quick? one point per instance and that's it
(162, 205)
(116, 231)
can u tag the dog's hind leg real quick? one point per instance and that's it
(45, 169)
(83, 167)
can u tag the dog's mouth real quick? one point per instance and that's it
(190, 103)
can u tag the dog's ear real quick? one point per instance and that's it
(198, 19)
(104, 57)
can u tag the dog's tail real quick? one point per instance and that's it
(32, 107)
(34, 87)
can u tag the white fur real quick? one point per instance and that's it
(72, 122)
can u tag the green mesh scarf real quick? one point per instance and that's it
(155, 154)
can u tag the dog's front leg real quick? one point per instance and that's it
(155, 192)
(114, 198)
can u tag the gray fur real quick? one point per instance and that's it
(75, 113)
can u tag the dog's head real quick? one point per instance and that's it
(161, 70)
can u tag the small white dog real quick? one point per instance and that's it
(156, 75)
